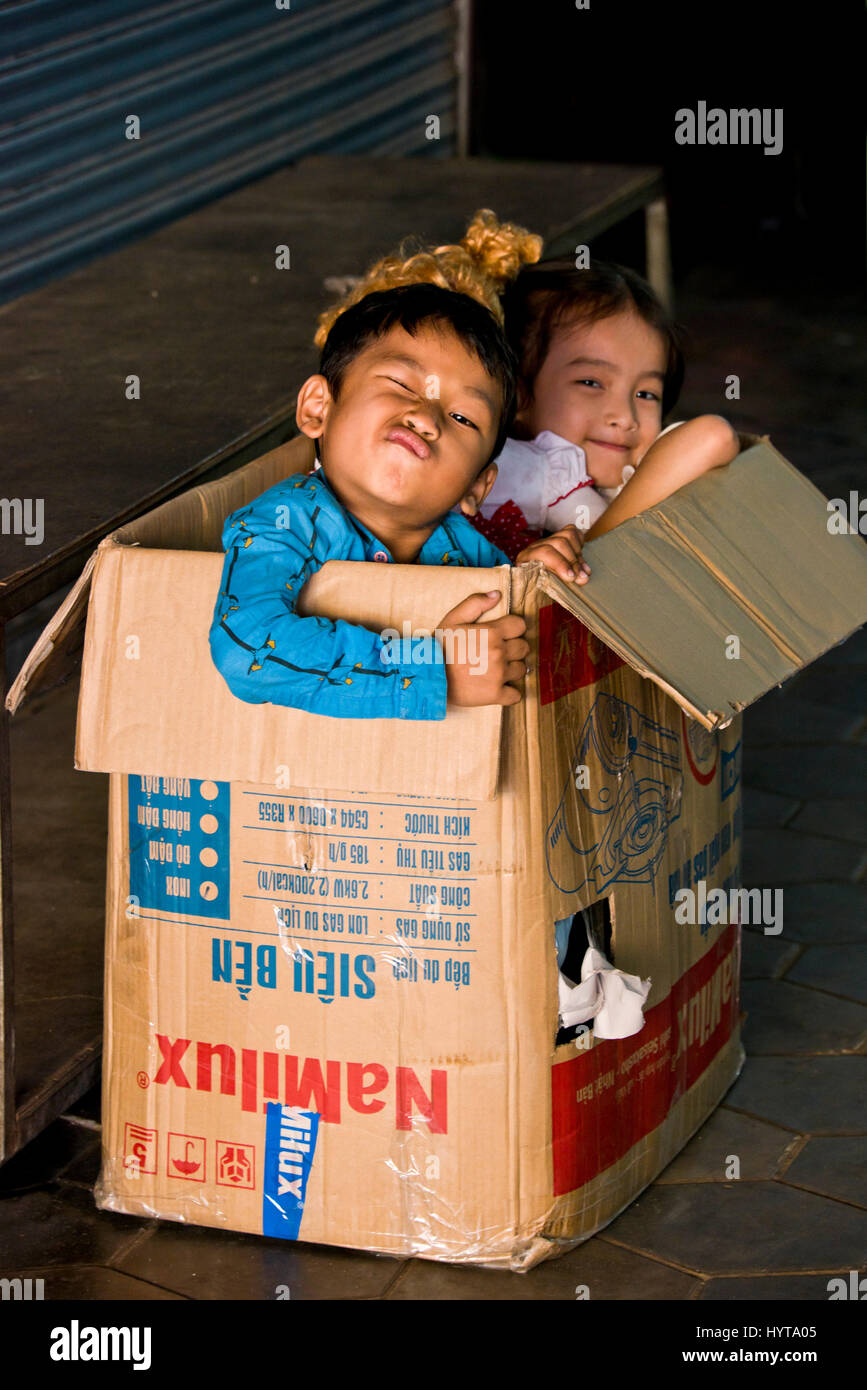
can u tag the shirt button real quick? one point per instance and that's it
(380, 555)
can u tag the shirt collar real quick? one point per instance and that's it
(439, 539)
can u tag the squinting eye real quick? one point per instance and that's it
(455, 416)
(651, 395)
(586, 381)
(402, 384)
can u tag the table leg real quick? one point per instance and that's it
(658, 254)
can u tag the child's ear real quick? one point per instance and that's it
(476, 494)
(312, 407)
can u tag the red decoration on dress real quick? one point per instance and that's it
(508, 529)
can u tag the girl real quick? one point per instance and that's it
(600, 366)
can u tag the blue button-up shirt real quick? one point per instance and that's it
(266, 652)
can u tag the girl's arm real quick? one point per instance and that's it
(677, 458)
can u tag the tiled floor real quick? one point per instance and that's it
(795, 1119)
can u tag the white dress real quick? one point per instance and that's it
(547, 477)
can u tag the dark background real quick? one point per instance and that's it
(603, 84)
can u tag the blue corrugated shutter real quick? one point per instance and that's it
(225, 91)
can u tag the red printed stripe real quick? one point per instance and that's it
(570, 656)
(605, 1100)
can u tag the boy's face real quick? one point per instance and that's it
(415, 421)
(600, 387)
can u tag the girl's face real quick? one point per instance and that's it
(600, 387)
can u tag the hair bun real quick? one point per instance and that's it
(480, 265)
(500, 248)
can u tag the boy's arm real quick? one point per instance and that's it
(266, 652)
(670, 463)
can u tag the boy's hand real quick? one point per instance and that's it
(561, 554)
(485, 657)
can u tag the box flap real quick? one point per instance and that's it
(152, 701)
(192, 521)
(55, 653)
(742, 553)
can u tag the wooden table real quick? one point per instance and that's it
(219, 340)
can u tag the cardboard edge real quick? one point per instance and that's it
(576, 604)
(556, 590)
(480, 780)
(57, 633)
(81, 762)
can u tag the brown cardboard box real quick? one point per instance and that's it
(331, 981)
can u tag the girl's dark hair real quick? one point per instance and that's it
(549, 294)
(410, 306)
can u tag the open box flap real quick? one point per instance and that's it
(153, 702)
(55, 653)
(726, 588)
(192, 521)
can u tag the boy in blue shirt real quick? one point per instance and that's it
(413, 401)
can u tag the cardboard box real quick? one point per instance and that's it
(331, 982)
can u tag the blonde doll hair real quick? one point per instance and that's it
(481, 265)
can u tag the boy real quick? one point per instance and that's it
(413, 400)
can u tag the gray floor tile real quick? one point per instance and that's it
(778, 1288)
(743, 1227)
(810, 1095)
(839, 969)
(844, 820)
(774, 857)
(766, 808)
(607, 1271)
(783, 717)
(835, 1167)
(826, 912)
(792, 1019)
(93, 1282)
(759, 1147)
(831, 770)
(766, 957)
(59, 1225)
(45, 1156)
(207, 1264)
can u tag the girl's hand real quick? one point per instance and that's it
(561, 554)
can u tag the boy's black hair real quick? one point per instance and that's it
(410, 306)
(551, 293)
